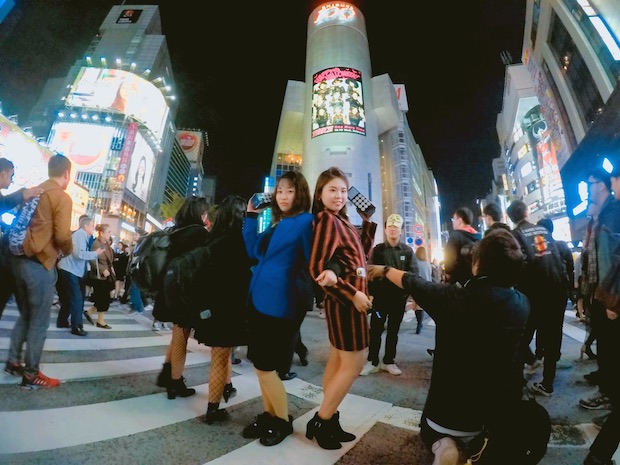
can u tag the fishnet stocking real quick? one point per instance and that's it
(177, 351)
(219, 373)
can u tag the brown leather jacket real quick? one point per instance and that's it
(49, 233)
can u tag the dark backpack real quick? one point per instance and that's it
(183, 283)
(17, 232)
(148, 262)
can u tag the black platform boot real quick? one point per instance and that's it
(322, 430)
(177, 387)
(164, 377)
(215, 413)
(340, 434)
(276, 430)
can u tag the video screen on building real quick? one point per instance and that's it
(28, 157)
(140, 169)
(86, 145)
(121, 91)
(337, 102)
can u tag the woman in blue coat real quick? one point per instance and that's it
(282, 252)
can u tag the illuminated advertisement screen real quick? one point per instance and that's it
(191, 142)
(121, 91)
(337, 102)
(28, 157)
(87, 145)
(140, 169)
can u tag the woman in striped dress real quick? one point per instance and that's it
(337, 242)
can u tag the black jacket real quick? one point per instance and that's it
(475, 367)
(458, 255)
(399, 257)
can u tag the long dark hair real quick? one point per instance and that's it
(191, 212)
(324, 178)
(137, 177)
(229, 216)
(302, 201)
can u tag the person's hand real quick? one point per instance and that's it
(327, 278)
(106, 273)
(250, 208)
(374, 272)
(32, 192)
(362, 302)
(611, 314)
(365, 215)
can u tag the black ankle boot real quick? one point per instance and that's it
(340, 434)
(323, 431)
(164, 377)
(277, 429)
(229, 391)
(258, 427)
(177, 387)
(215, 413)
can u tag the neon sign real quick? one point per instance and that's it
(335, 11)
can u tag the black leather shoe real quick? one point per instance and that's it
(88, 318)
(287, 376)
(303, 358)
(277, 429)
(79, 332)
(105, 326)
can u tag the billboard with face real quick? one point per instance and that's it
(337, 102)
(121, 91)
(87, 145)
(140, 169)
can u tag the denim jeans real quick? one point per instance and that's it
(135, 298)
(72, 293)
(34, 285)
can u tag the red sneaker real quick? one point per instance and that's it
(39, 381)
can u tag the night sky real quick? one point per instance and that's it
(231, 62)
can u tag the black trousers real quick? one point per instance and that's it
(393, 314)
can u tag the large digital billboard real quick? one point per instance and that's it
(337, 102)
(29, 158)
(87, 145)
(121, 91)
(140, 169)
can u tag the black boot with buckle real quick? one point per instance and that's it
(322, 430)
(177, 387)
(340, 434)
(215, 413)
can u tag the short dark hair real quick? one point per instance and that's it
(465, 214)
(601, 175)
(191, 211)
(84, 220)
(58, 166)
(493, 210)
(517, 211)
(546, 223)
(301, 203)
(499, 258)
(6, 164)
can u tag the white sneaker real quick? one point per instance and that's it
(157, 326)
(165, 327)
(391, 368)
(368, 369)
(148, 308)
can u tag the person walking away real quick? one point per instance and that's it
(47, 238)
(189, 232)
(280, 252)
(486, 313)
(388, 300)
(601, 253)
(121, 260)
(71, 271)
(543, 281)
(227, 326)
(7, 203)
(426, 272)
(102, 276)
(346, 302)
(608, 294)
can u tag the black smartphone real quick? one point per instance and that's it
(360, 201)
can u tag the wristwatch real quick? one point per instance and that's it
(385, 270)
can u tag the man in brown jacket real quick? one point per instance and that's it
(48, 237)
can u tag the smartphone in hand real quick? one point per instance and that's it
(361, 202)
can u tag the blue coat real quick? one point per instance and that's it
(273, 289)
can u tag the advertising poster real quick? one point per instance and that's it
(337, 102)
(120, 91)
(140, 169)
(87, 145)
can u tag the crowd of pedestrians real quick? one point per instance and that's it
(498, 291)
